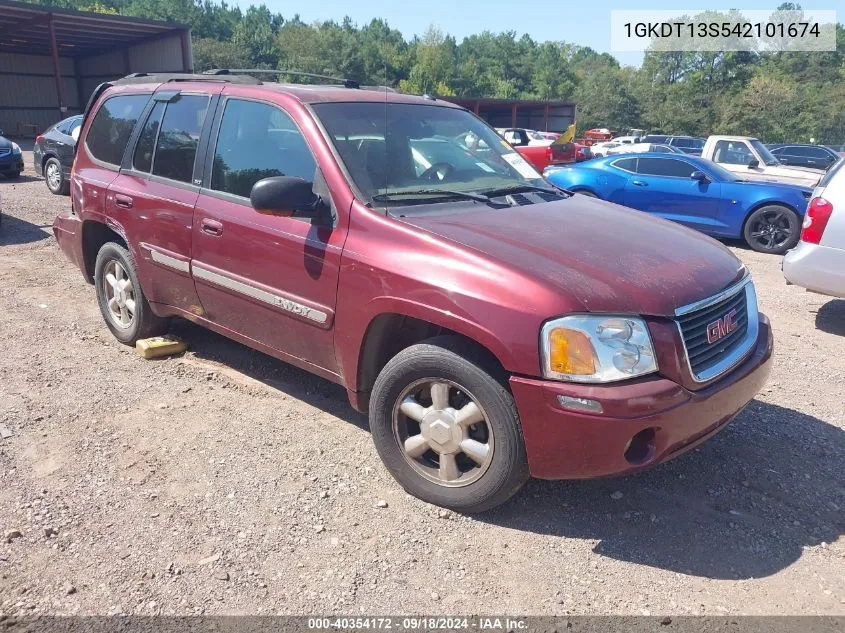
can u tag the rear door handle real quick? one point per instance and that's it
(639, 183)
(122, 201)
(212, 227)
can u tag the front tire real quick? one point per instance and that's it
(446, 429)
(55, 178)
(772, 229)
(122, 302)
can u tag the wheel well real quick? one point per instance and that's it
(389, 334)
(94, 235)
(45, 158)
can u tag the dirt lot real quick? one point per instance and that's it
(227, 482)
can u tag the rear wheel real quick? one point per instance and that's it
(446, 429)
(55, 178)
(772, 229)
(122, 302)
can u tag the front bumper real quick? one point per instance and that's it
(644, 422)
(816, 267)
(13, 163)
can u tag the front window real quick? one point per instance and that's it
(763, 152)
(395, 150)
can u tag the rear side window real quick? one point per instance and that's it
(256, 141)
(664, 167)
(112, 126)
(178, 138)
(628, 164)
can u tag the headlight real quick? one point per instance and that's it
(16, 149)
(596, 348)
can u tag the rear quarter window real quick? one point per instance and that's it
(112, 126)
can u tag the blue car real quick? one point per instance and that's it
(695, 192)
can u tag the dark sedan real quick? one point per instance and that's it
(11, 159)
(799, 155)
(53, 154)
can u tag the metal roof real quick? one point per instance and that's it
(24, 28)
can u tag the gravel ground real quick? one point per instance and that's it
(225, 481)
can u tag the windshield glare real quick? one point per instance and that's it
(393, 147)
(763, 152)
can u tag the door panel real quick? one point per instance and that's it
(154, 197)
(272, 279)
(681, 199)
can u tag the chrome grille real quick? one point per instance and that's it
(707, 359)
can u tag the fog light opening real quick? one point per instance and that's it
(641, 447)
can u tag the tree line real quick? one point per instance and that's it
(778, 97)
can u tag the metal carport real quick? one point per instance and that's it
(51, 59)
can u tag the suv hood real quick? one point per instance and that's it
(606, 257)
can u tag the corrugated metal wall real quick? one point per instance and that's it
(28, 94)
(29, 91)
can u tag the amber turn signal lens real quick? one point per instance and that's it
(570, 352)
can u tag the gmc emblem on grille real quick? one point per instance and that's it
(720, 328)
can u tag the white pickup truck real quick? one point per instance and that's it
(749, 159)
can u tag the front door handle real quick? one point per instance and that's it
(124, 202)
(212, 227)
(639, 183)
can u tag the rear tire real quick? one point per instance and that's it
(461, 449)
(772, 229)
(55, 178)
(122, 302)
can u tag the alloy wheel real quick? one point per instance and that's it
(771, 229)
(54, 175)
(119, 294)
(443, 432)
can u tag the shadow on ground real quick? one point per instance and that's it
(831, 317)
(208, 346)
(743, 505)
(16, 231)
(19, 180)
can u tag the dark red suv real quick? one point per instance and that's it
(495, 327)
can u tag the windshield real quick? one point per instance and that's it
(763, 152)
(403, 151)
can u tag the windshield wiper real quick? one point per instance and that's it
(503, 191)
(390, 195)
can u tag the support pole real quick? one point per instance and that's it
(57, 69)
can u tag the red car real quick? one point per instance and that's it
(494, 327)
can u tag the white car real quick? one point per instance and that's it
(626, 140)
(635, 148)
(601, 149)
(817, 263)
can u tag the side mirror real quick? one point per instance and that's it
(699, 175)
(753, 163)
(284, 196)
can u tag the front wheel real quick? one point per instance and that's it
(446, 429)
(772, 229)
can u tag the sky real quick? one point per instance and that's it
(586, 22)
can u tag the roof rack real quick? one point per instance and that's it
(136, 78)
(346, 83)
